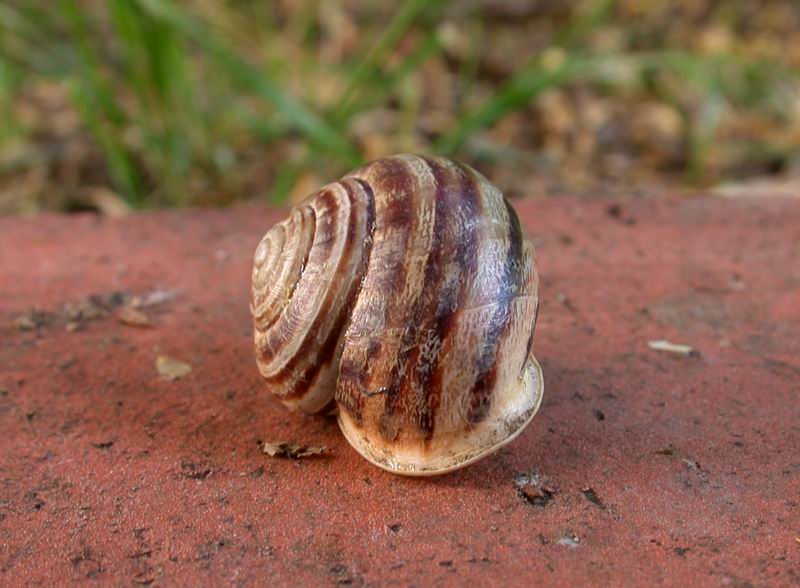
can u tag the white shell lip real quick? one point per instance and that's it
(419, 465)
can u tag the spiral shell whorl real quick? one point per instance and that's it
(409, 290)
(306, 274)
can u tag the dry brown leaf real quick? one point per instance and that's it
(170, 368)
(134, 318)
(291, 450)
(26, 322)
(84, 310)
(33, 319)
(154, 298)
(108, 202)
(677, 348)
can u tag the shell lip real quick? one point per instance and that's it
(384, 460)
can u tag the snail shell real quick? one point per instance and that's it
(405, 295)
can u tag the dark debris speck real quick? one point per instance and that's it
(194, 471)
(591, 495)
(534, 489)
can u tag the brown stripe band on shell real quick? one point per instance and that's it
(406, 293)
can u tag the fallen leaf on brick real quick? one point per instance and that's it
(170, 368)
(292, 451)
(32, 320)
(664, 345)
(151, 299)
(133, 318)
(26, 322)
(91, 308)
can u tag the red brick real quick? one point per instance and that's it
(691, 477)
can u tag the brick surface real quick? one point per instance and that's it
(642, 466)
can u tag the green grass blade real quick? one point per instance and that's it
(121, 166)
(9, 86)
(597, 13)
(154, 65)
(312, 126)
(89, 64)
(95, 100)
(377, 55)
(533, 79)
(285, 180)
(520, 90)
(29, 39)
(426, 50)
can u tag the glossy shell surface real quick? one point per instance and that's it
(405, 295)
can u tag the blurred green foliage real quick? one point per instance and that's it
(207, 102)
